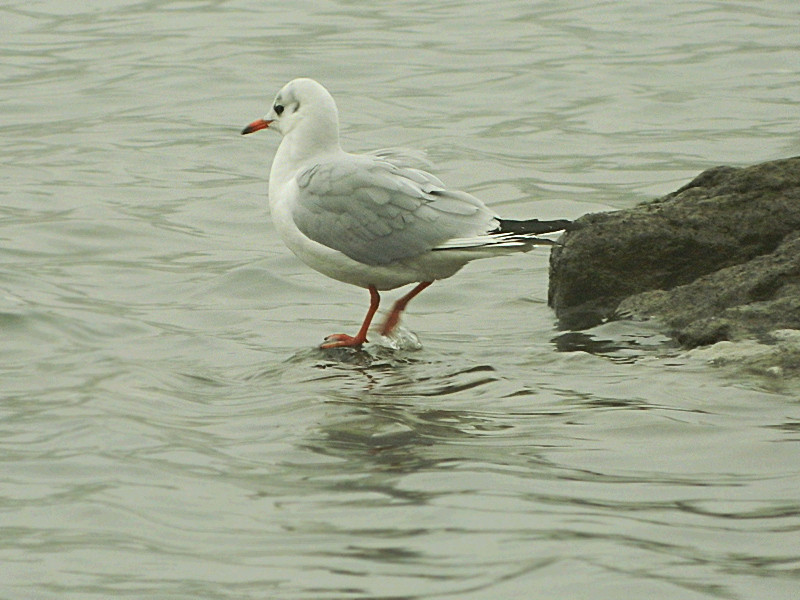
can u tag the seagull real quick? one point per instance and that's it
(376, 221)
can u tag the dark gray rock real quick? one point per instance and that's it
(718, 259)
(755, 297)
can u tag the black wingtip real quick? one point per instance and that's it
(533, 226)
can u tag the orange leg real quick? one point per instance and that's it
(399, 307)
(341, 340)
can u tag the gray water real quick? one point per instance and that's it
(168, 428)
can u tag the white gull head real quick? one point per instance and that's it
(305, 114)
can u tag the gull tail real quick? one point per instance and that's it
(510, 235)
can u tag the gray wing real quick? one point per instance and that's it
(377, 212)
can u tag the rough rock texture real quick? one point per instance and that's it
(718, 259)
(757, 296)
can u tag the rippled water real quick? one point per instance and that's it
(167, 427)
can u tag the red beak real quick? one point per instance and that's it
(255, 126)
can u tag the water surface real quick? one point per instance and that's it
(168, 428)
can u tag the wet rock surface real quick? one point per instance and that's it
(717, 260)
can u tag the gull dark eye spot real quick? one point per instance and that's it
(278, 108)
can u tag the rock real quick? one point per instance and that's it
(754, 297)
(718, 259)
